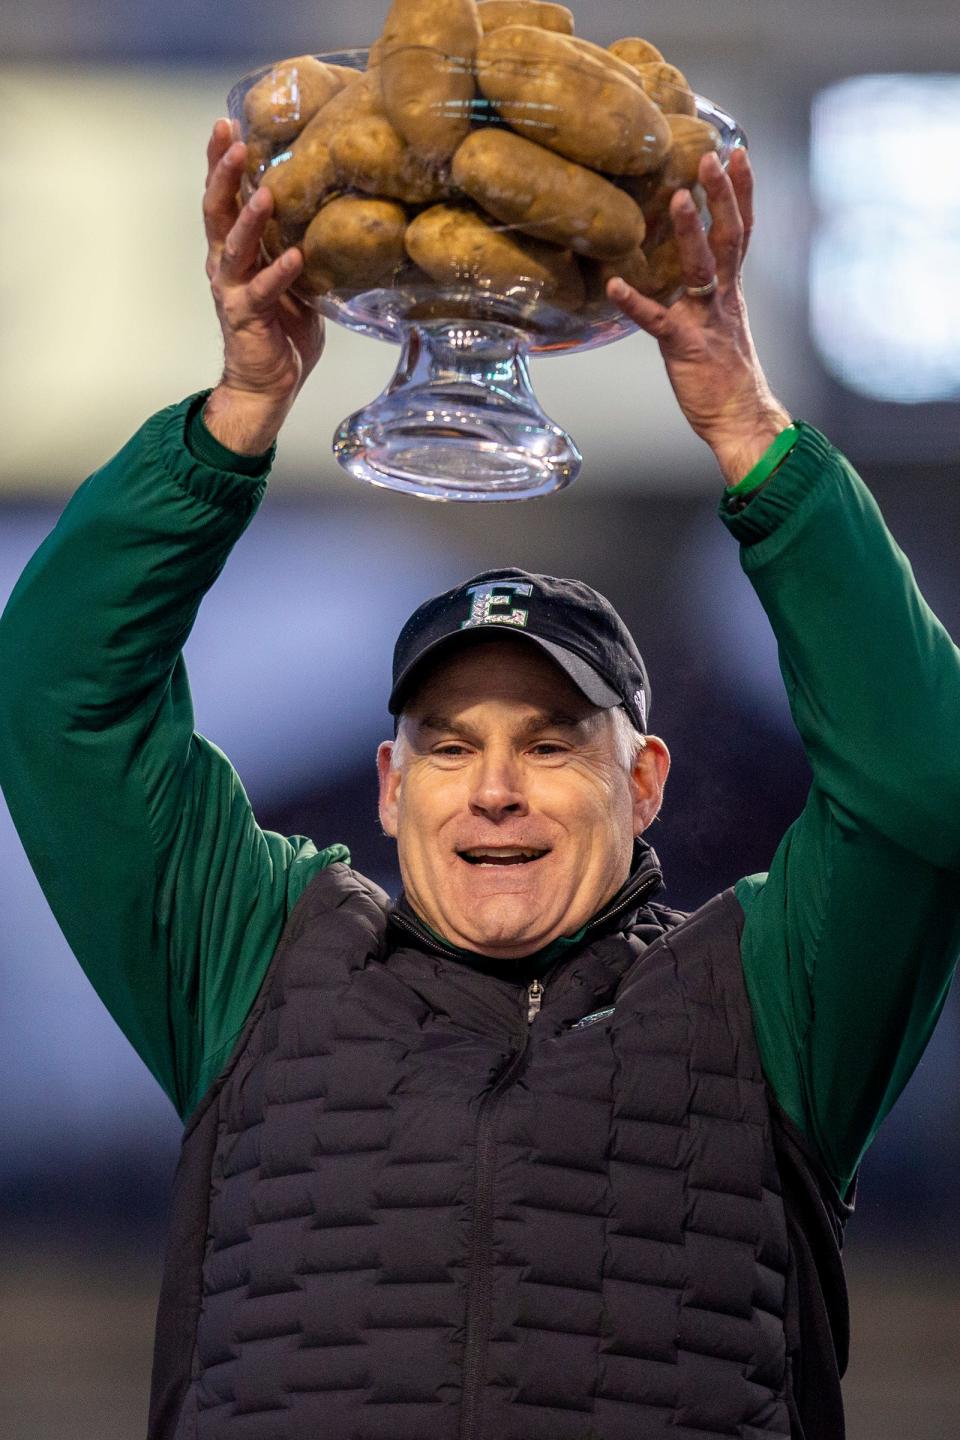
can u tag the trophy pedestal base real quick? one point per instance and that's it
(459, 421)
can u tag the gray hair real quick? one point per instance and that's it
(627, 740)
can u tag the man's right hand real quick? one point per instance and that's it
(271, 340)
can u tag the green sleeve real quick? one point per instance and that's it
(851, 940)
(139, 831)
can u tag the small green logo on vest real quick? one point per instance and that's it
(492, 604)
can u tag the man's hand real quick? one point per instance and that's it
(271, 341)
(706, 341)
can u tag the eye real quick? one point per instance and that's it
(549, 748)
(452, 750)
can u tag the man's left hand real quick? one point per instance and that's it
(705, 340)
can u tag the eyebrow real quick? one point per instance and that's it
(542, 720)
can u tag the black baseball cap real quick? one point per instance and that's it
(573, 623)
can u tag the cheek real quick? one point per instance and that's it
(424, 809)
(597, 801)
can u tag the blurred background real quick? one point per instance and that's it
(853, 116)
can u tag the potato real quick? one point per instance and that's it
(259, 154)
(279, 105)
(353, 242)
(665, 271)
(454, 246)
(632, 266)
(495, 13)
(547, 196)
(634, 50)
(605, 57)
(692, 139)
(369, 155)
(668, 87)
(426, 73)
(653, 195)
(277, 238)
(347, 73)
(553, 90)
(302, 177)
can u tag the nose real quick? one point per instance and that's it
(497, 786)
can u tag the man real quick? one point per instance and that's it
(525, 1154)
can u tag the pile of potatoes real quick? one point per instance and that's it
(485, 146)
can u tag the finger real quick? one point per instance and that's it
(241, 248)
(696, 258)
(639, 308)
(220, 196)
(726, 227)
(273, 281)
(217, 145)
(741, 178)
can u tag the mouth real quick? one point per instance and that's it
(502, 855)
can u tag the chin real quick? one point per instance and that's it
(508, 935)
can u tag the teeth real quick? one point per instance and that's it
(505, 852)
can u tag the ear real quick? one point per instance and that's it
(389, 788)
(647, 779)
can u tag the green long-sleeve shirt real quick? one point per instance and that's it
(173, 898)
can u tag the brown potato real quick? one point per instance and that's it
(692, 139)
(303, 175)
(554, 90)
(634, 50)
(427, 73)
(665, 271)
(259, 155)
(496, 13)
(277, 238)
(455, 245)
(370, 155)
(279, 105)
(348, 75)
(653, 194)
(273, 240)
(547, 196)
(353, 242)
(668, 87)
(633, 267)
(605, 57)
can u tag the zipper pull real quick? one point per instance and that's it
(534, 1000)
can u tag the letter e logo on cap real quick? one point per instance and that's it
(492, 604)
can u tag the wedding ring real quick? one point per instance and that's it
(700, 292)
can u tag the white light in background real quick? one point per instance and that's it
(885, 258)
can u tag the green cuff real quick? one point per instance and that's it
(206, 448)
(765, 466)
(164, 438)
(809, 459)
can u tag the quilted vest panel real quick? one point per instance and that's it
(404, 1213)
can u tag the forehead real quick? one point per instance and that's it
(507, 668)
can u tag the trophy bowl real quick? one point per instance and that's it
(447, 205)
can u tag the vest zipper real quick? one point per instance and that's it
(534, 1000)
(653, 882)
(479, 1282)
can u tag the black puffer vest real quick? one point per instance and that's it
(405, 1212)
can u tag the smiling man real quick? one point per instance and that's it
(516, 786)
(523, 1154)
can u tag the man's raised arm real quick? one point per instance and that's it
(850, 942)
(168, 892)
